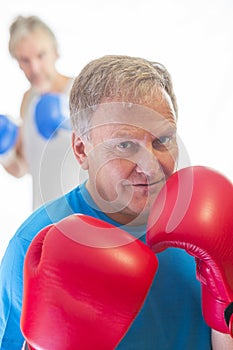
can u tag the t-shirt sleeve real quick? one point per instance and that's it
(11, 282)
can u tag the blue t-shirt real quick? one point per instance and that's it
(171, 316)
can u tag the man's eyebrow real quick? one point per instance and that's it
(165, 128)
(131, 131)
(128, 131)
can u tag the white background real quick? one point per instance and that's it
(194, 39)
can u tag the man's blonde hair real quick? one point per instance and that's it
(116, 78)
(22, 26)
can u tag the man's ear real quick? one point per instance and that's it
(79, 151)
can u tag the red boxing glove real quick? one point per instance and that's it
(194, 211)
(84, 283)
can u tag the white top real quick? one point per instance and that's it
(52, 163)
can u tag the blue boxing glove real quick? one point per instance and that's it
(8, 136)
(52, 114)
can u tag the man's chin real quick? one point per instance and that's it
(41, 87)
(138, 215)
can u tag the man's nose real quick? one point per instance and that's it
(34, 66)
(148, 162)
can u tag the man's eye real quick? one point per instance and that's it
(23, 61)
(163, 141)
(127, 146)
(41, 55)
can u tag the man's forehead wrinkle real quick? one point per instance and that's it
(124, 110)
(121, 130)
(134, 116)
(134, 131)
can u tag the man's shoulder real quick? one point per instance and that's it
(27, 96)
(47, 214)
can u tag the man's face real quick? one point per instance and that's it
(131, 152)
(36, 56)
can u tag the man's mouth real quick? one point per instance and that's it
(145, 185)
(148, 184)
